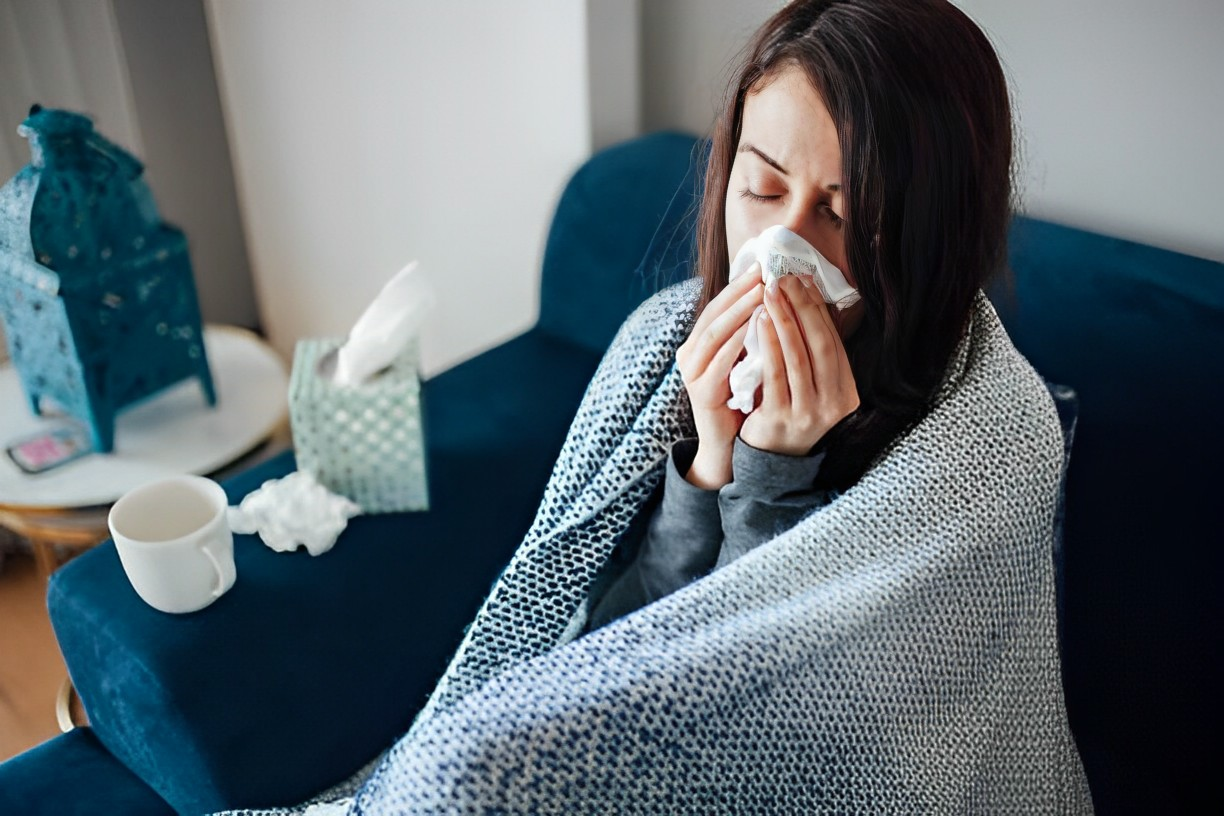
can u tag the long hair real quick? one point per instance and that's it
(924, 123)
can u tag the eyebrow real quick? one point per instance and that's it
(748, 147)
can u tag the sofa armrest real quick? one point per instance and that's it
(73, 775)
(310, 666)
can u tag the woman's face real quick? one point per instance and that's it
(787, 171)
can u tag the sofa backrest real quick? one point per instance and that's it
(1138, 332)
(623, 229)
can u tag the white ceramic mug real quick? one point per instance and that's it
(174, 542)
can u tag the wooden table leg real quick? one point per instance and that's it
(44, 557)
(46, 532)
(76, 530)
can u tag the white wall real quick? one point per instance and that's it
(1120, 103)
(367, 134)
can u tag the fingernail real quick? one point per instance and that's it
(772, 286)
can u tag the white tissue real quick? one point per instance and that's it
(779, 251)
(748, 373)
(385, 327)
(292, 512)
(782, 252)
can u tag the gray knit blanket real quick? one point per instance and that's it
(894, 652)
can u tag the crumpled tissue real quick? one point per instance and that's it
(779, 251)
(292, 512)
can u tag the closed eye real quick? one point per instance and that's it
(836, 220)
(751, 196)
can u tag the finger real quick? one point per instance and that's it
(720, 367)
(715, 335)
(775, 391)
(825, 347)
(794, 350)
(732, 292)
(836, 350)
(726, 357)
(799, 296)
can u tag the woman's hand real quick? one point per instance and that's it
(705, 360)
(807, 385)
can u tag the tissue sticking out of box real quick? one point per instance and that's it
(384, 329)
(292, 512)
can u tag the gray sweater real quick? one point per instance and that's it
(685, 531)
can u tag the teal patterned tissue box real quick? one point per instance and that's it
(365, 442)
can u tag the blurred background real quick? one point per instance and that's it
(311, 148)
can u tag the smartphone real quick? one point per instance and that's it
(51, 448)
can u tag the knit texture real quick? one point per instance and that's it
(893, 652)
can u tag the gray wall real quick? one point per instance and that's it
(1120, 103)
(60, 54)
(142, 69)
(186, 154)
(688, 48)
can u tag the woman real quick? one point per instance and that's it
(842, 602)
(890, 153)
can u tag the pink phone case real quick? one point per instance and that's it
(50, 449)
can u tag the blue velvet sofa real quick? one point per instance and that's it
(311, 666)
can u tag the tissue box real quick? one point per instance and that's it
(365, 442)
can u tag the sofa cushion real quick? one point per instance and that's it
(225, 707)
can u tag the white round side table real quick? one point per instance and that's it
(174, 432)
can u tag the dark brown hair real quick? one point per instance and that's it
(924, 124)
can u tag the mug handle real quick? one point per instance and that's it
(219, 589)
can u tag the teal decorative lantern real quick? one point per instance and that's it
(96, 291)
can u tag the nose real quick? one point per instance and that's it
(807, 216)
(803, 218)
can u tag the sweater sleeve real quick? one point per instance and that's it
(681, 543)
(769, 493)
